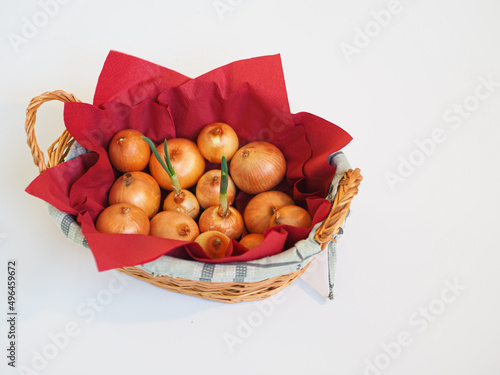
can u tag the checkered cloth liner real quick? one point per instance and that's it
(288, 261)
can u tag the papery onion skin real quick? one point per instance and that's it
(261, 208)
(231, 224)
(128, 151)
(214, 244)
(291, 215)
(216, 140)
(174, 225)
(252, 240)
(186, 160)
(137, 188)
(123, 218)
(185, 202)
(208, 189)
(257, 167)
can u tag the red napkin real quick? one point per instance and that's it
(250, 95)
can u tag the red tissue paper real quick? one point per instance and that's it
(249, 95)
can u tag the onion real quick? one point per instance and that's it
(174, 225)
(137, 188)
(231, 224)
(208, 189)
(262, 207)
(123, 218)
(186, 160)
(258, 166)
(291, 215)
(217, 140)
(128, 151)
(214, 244)
(252, 240)
(185, 202)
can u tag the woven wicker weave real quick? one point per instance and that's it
(229, 292)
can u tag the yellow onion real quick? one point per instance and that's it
(213, 243)
(262, 207)
(174, 225)
(258, 166)
(123, 218)
(231, 224)
(185, 202)
(208, 189)
(186, 160)
(217, 140)
(291, 215)
(137, 188)
(252, 240)
(128, 151)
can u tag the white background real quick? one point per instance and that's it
(394, 310)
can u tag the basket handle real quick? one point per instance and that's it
(60, 148)
(348, 188)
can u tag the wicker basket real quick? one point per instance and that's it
(228, 292)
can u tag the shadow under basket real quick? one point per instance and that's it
(227, 282)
